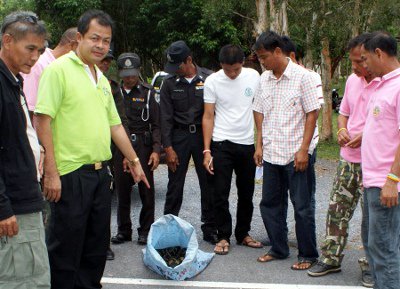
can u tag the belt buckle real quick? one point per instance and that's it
(192, 128)
(133, 137)
(98, 166)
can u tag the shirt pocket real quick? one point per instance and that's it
(180, 100)
(292, 102)
(267, 103)
(383, 110)
(138, 105)
(199, 92)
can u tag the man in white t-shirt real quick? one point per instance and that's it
(228, 132)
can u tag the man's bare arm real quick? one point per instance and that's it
(258, 155)
(52, 182)
(301, 156)
(208, 127)
(390, 192)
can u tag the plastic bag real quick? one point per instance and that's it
(170, 231)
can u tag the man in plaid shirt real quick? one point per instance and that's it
(285, 111)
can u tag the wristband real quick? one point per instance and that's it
(340, 129)
(393, 177)
(206, 151)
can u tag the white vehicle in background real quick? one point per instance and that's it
(156, 83)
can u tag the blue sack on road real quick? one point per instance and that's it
(171, 231)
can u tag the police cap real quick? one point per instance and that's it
(177, 53)
(128, 64)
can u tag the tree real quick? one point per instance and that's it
(8, 6)
(63, 14)
(278, 16)
(261, 23)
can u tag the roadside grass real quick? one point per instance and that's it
(330, 149)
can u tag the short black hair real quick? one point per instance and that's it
(358, 40)
(269, 40)
(288, 46)
(382, 40)
(299, 53)
(20, 23)
(231, 54)
(102, 18)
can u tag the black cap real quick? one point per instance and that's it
(177, 53)
(128, 64)
(109, 55)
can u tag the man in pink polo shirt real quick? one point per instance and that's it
(380, 153)
(31, 80)
(347, 186)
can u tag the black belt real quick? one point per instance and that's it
(135, 136)
(95, 167)
(192, 128)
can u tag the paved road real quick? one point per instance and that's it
(238, 269)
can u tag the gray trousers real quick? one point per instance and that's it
(24, 259)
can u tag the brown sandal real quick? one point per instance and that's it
(308, 263)
(250, 242)
(222, 247)
(266, 258)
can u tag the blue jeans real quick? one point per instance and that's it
(277, 180)
(383, 244)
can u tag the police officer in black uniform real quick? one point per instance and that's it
(143, 115)
(182, 106)
(104, 66)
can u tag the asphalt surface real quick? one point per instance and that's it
(240, 264)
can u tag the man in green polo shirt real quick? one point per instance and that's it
(75, 120)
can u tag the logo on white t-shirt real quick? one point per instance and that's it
(248, 92)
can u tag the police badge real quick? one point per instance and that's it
(128, 63)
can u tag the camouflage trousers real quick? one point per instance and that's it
(346, 191)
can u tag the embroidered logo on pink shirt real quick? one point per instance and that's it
(376, 111)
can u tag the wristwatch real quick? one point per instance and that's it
(134, 162)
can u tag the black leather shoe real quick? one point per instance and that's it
(110, 254)
(211, 238)
(120, 238)
(142, 240)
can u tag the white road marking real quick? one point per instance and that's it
(204, 284)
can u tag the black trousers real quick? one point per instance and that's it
(188, 145)
(79, 229)
(229, 157)
(123, 187)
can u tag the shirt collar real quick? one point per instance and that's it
(79, 61)
(372, 82)
(288, 70)
(17, 80)
(199, 75)
(391, 74)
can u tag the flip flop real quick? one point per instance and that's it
(224, 245)
(303, 261)
(266, 258)
(250, 242)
